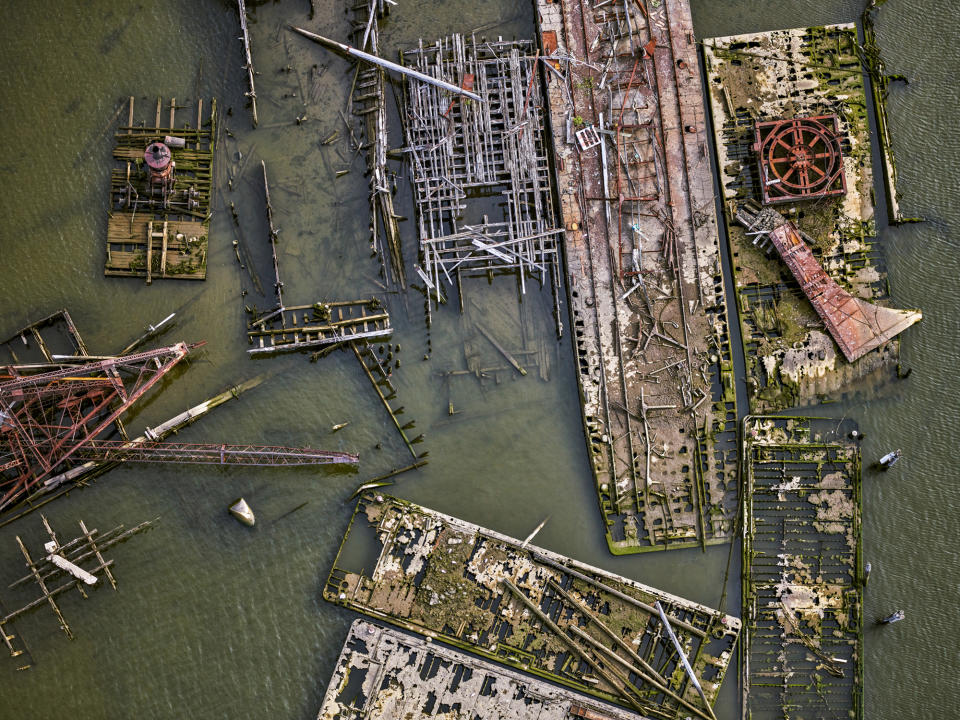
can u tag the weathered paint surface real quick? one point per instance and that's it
(530, 608)
(643, 269)
(785, 74)
(802, 569)
(383, 674)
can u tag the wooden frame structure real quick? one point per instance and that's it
(154, 233)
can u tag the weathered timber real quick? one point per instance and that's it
(248, 64)
(71, 559)
(159, 228)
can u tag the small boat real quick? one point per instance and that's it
(896, 617)
(889, 460)
(242, 512)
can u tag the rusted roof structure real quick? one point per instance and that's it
(856, 325)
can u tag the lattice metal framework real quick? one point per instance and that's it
(464, 150)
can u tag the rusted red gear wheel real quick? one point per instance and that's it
(800, 159)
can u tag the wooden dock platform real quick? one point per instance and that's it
(306, 327)
(160, 236)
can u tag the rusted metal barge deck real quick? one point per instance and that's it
(643, 266)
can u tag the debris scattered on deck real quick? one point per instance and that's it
(159, 215)
(59, 560)
(798, 98)
(242, 512)
(644, 272)
(529, 608)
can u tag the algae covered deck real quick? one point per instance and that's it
(802, 569)
(786, 74)
(643, 266)
(155, 232)
(537, 611)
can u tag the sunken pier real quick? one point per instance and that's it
(643, 268)
(160, 190)
(59, 568)
(517, 604)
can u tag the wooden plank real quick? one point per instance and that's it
(150, 246)
(163, 256)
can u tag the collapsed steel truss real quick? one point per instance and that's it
(462, 150)
(58, 414)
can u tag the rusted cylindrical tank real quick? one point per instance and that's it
(158, 158)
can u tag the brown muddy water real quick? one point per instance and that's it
(216, 620)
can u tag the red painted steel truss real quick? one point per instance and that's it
(47, 417)
(800, 159)
(53, 419)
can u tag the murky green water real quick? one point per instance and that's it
(215, 620)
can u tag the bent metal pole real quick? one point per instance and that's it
(333, 44)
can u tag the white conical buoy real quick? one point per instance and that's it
(242, 512)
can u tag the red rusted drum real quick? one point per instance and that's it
(157, 156)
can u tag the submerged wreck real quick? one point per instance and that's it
(803, 572)
(792, 132)
(529, 608)
(643, 266)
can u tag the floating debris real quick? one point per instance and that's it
(62, 559)
(895, 617)
(890, 459)
(242, 512)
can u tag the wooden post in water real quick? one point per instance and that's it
(252, 93)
